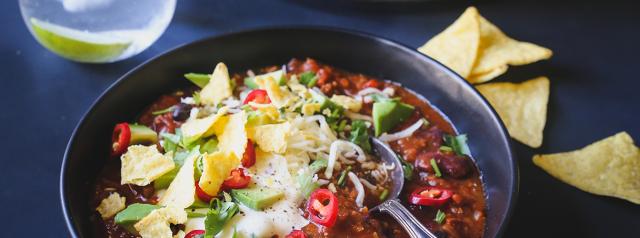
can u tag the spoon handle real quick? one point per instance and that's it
(415, 229)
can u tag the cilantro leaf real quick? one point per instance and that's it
(309, 79)
(440, 216)
(458, 144)
(219, 214)
(360, 135)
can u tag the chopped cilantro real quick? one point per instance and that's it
(407, 168)
(458, 144)
(434, 165)
(163, 111)
(360, 135)
(218, 215)
(384, 194)
(440, 216)
(309, 79)
(343, 176)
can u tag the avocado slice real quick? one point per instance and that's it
(142, 135)
(388, 114)
(134, 213)
(257, 198)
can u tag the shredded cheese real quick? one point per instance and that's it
(337, 147)
(402, 134)
(359, 188)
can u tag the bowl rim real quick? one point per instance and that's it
(506, 139)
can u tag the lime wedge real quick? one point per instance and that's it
(78, 45)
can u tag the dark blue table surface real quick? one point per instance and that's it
(594, 94)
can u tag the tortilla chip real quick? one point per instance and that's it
(609, 167)
(143, 164)
(216, 168)
(218, 88)
(156, 224)
(347, 102)
(194, 129)
(111, 205)
(522, 107)
(279, 96)
(272, 137)
(497, 50)
(232, 135)
(181, 193)
(457, 46)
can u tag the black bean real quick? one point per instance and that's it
(181, 112)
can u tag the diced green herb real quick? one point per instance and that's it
(407, 168)
(384, 194)
(309, 79)
(440, 216)
(198, 79)
(458, 144)
(191, 214)
(305, 179)
(343, 176)
(445, 148)
(342, 125)
(359, 135)
(218, 215)
(163, 111)
(434, 165)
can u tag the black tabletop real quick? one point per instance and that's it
(594, 94)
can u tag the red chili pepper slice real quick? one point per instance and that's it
(430, 196)
(258, 96)
(202, 195)
(249, 157)
(236, 180)
(323, 207)
(296, 234)
(194, 234)
(120, 138)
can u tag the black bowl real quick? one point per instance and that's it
(356, 52)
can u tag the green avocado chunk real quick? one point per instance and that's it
(257, 198)
(142, 135)
(388, 114)
(134, 213)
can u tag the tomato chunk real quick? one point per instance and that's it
(236, 180)
(120, 138)
(323, 207)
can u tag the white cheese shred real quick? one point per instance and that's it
(359, 188)
(403, 133)
(334, 151)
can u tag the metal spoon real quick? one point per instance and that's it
(392, 205)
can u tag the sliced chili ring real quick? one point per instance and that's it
(195, 234)
(120, 138)
(202, 195)
(296, 234)
(258, 96)
(236, 180)
(249, 156)
(430, 196)
(323, 207)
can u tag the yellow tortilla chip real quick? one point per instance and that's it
(218, 88)
(156, 224)
(111, 205)
(232, 135)
(271, 137)
(216, 168)
(497, 50)
(182, 190)
(193, 129)
(279, 96)
(609, 167)
(347, 102)
(522, 107)
(308, 109)
(143, 164)
(457, 46)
